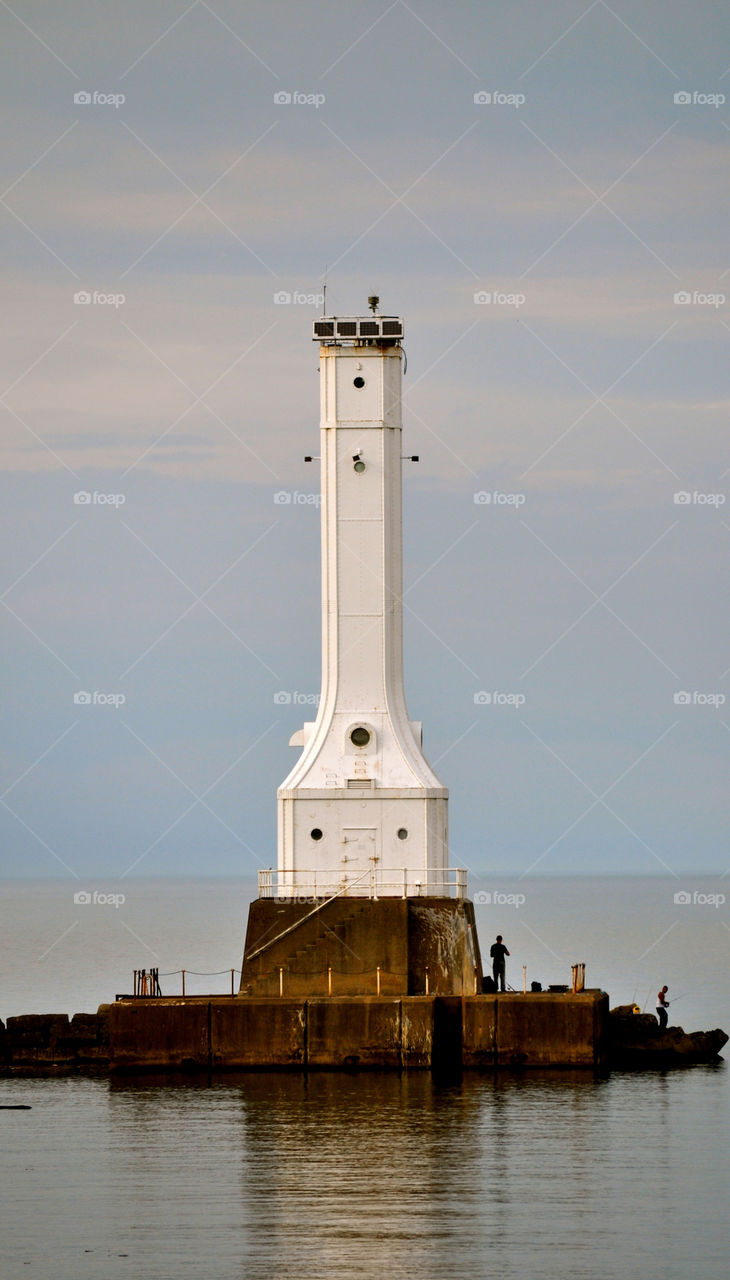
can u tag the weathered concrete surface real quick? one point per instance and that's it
(636, 1040)
(36, 1043)
(240, 1033)
(249, 1033)
(416, 1032)
(170, 1032)
(346, 1032)
(443, 936)
(442, 1033)
(479, 1031)
(215, 1033)
(535, 1030)
(352, 936)
(405, 938)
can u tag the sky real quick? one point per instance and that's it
(540, 190)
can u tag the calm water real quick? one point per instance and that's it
(273, 1177)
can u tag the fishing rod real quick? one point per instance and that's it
(681, 996)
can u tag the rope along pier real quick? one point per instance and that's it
(146, 982)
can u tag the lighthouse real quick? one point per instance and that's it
(362, 901)
(362, 812)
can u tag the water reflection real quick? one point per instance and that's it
(276, 1176)
(401, 1175)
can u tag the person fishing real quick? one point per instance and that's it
(661, 1007)
(498, 951)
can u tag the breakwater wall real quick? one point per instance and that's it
(360, 1032)
(52, 1043)
(218, 1033)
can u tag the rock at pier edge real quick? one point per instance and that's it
(636, 1040)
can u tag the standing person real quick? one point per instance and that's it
(662, 1004)
(498, 951)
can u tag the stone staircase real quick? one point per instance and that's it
(306, 961)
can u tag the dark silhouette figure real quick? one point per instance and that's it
(498, 951)
(661, 1008)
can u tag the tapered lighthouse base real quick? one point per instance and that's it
(361, 946)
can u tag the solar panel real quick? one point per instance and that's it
(353, 328)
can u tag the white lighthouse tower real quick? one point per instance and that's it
(362, 812)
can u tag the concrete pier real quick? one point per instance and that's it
(535, 1030)
(359, 1032)
(211, 1034)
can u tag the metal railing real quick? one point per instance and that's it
(146, 982)
(325, 979)
(320, 905)
(309, 885)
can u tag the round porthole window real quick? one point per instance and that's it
(315, 833)
(359, 466)
(358, 382)
(402, 833)
(360, 736)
